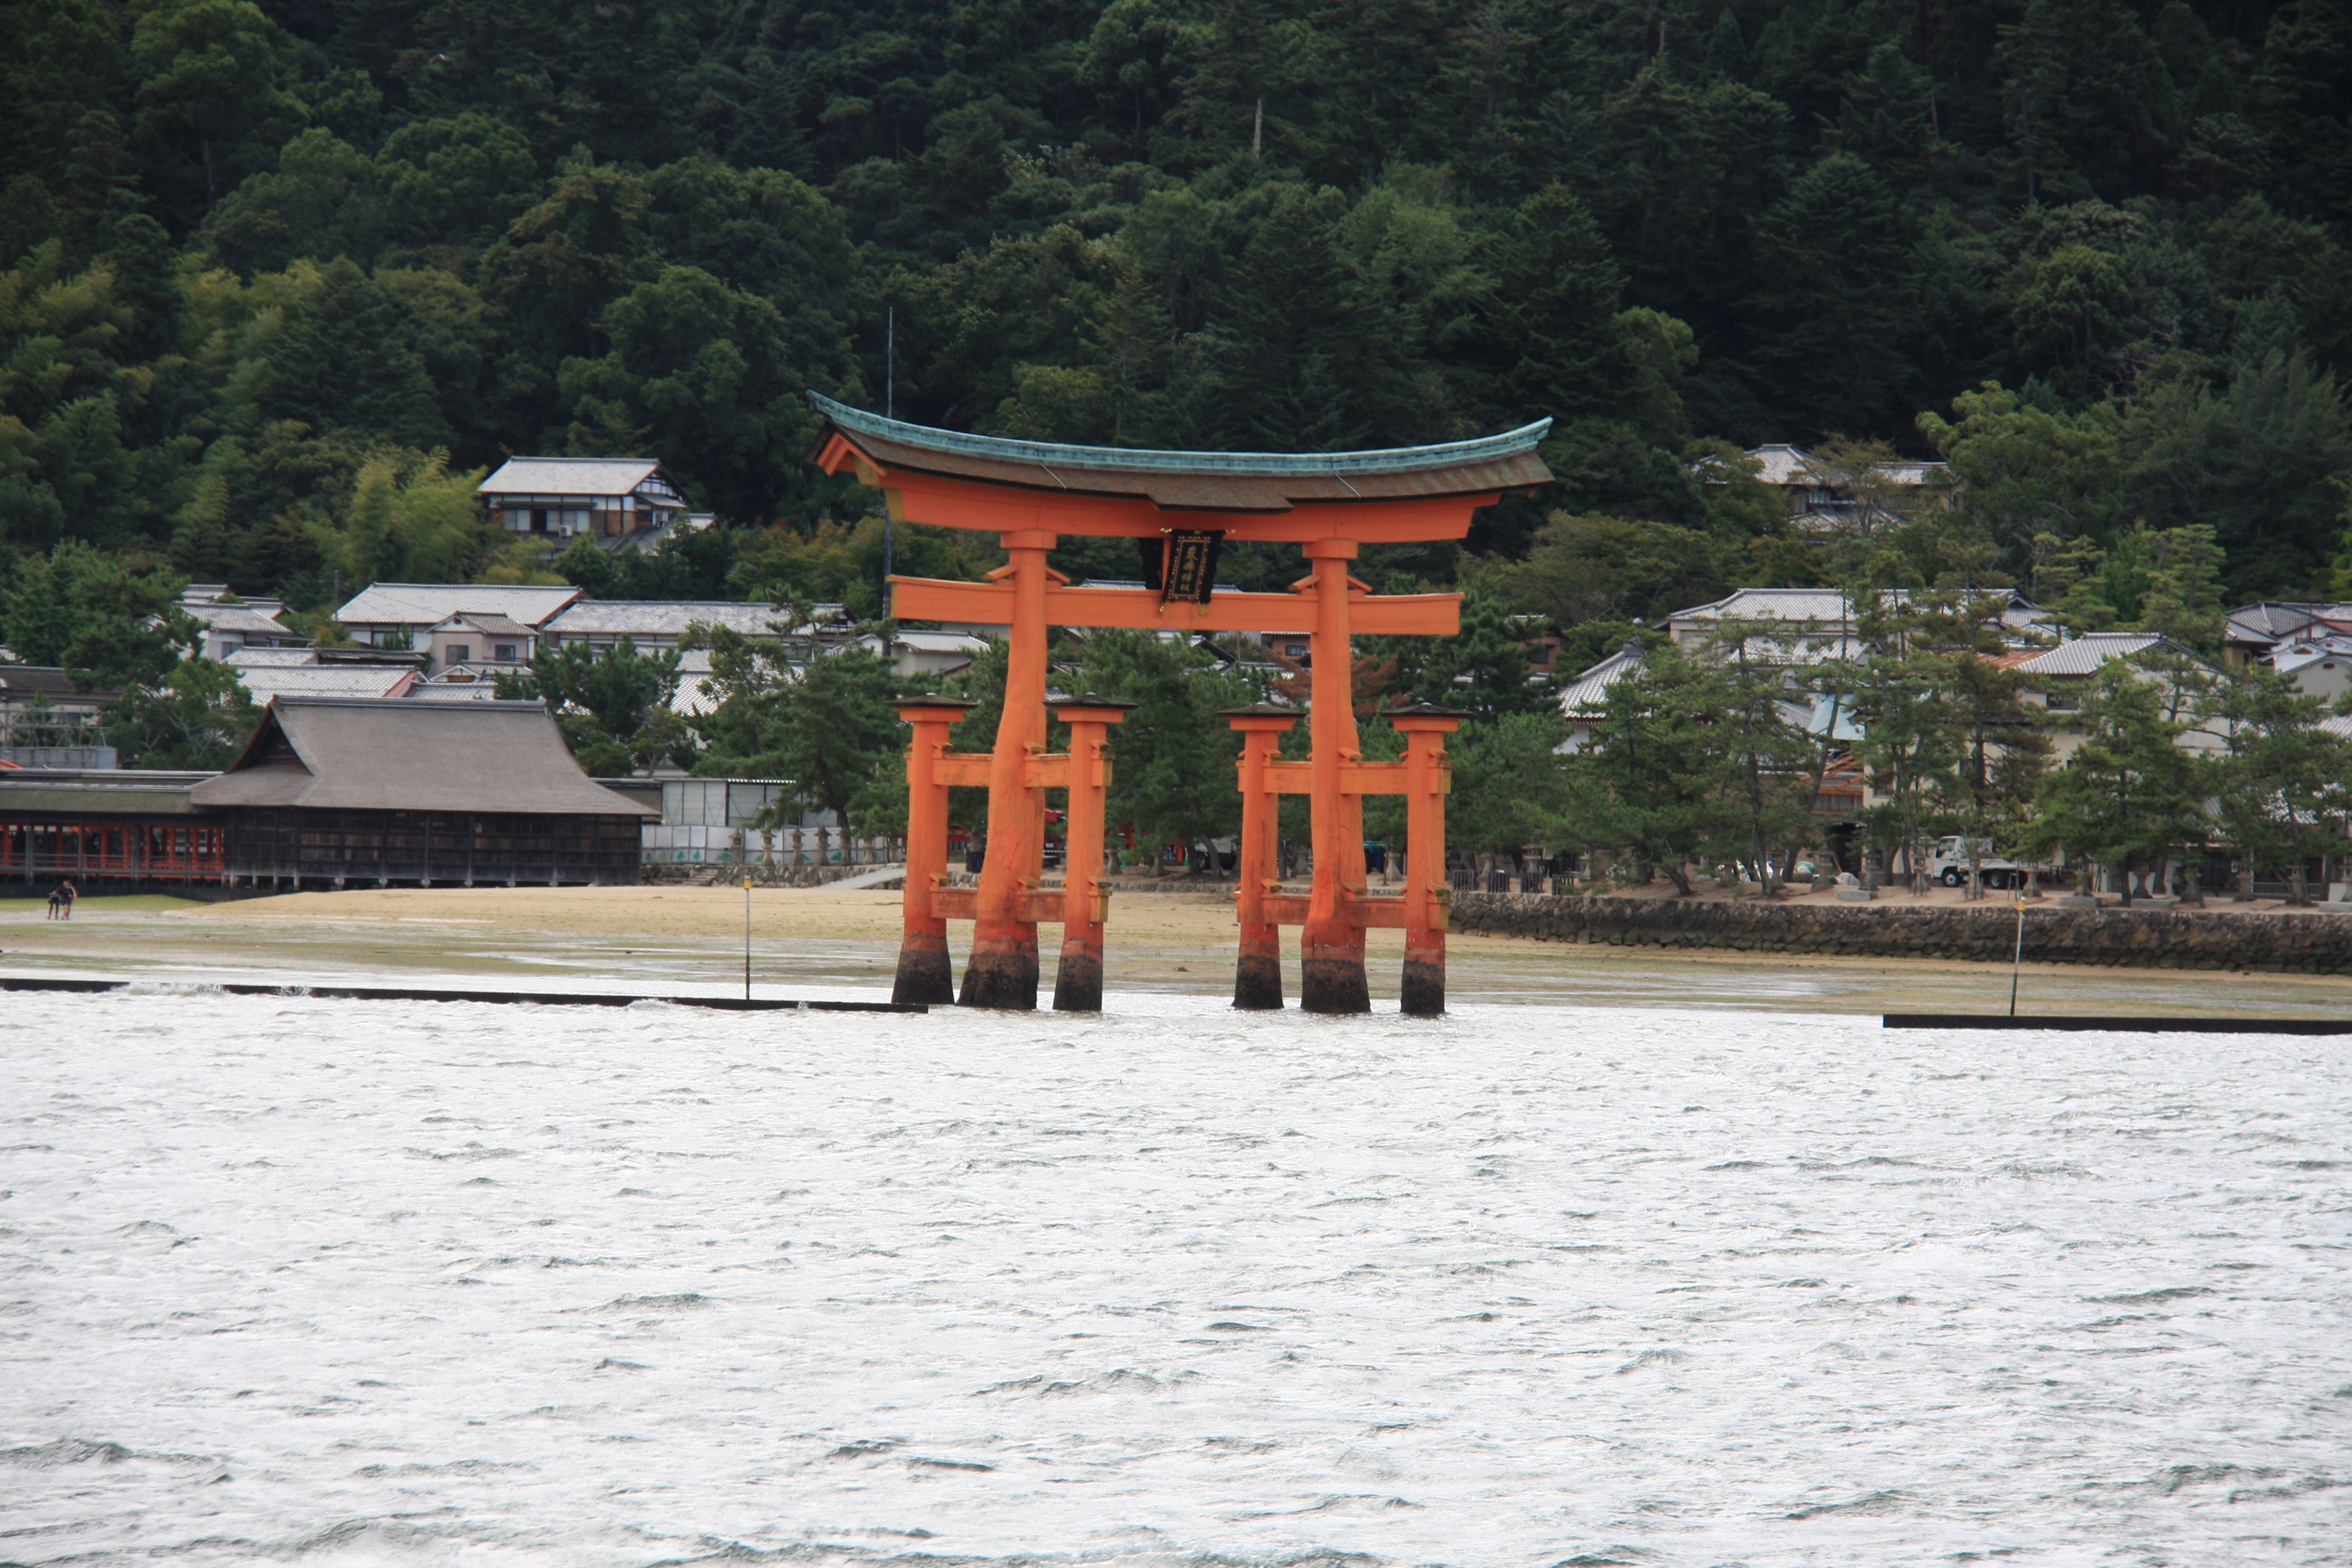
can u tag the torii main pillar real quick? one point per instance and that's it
(1182, 505)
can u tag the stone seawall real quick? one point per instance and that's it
(2151, 939)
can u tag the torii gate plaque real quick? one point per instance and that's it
(1031, 493)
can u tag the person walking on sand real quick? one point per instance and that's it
(58, 902)
(69, 893)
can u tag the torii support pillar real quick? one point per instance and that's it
(1002, 969)
(1257, 975)
(1428, 902)
(1331, 946)
(924, 973)
(1077, 982)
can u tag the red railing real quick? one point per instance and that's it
(149, 850)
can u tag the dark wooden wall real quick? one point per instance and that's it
(362, 848)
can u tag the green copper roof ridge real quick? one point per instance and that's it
(1385, 460)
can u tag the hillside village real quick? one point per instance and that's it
(1818, 701)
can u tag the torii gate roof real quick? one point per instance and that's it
(1193, 481)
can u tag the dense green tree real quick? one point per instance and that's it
(1509, 788)
(109, 624)
(2278, 779)
(2130, 796)
(212, 96)
(197, 716)
(2256, 462)
(1171, 778)
(782, 710)
(613, 705)
(1834, 304)
(1652, 780)
(253, 245)
(2023, 471)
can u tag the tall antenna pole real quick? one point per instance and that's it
(889, 411)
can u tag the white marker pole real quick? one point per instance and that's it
(2017, 960)
(747, 943)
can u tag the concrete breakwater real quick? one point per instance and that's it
(2149, 939)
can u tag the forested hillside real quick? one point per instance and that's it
(281, 276)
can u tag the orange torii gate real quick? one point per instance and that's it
(1033, 493)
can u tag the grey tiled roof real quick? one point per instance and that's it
(2085, 654)
(491, 621)
(430, 604)
(2270, 620)
(667, 617)
(569, 476)
(268, 680)
(234, 618)
(1772, 604)
(1588, 694)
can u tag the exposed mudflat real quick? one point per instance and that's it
(819, 941)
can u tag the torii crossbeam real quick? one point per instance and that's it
(1031, 494)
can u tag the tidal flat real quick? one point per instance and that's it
(817, 942)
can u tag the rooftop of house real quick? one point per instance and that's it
(1211, 481)
(1824, 607)
(406, 756)
(573, 476)
(659, 617)
(2297, 652)
(1778, 463)
(429, 603)
(2260, 625)
(487, 622)
(22, 683)
(251, 656)
(2084, 655)
(1810, 605)
(1588, 694)
(212, 607)
(266, 682)
(938, 642)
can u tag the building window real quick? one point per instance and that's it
(2067, 704)
(505, 653)
(458, 652)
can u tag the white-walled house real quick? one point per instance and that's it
(609, 500)
(231, 623)
(479, 639)
(1813, 624)
(1821, 499)
(2319, 666)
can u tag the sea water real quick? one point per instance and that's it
(326, 1282)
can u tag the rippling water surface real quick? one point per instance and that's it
(340, 1283)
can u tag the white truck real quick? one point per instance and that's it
(1951, 859)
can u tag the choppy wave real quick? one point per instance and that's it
(1533, 1287)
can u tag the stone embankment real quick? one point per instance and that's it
(2136, 938)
